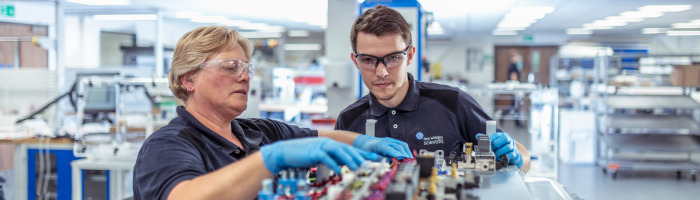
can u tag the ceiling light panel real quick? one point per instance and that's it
(520, 18)
(682, 33)
(654, 30)
(685, 25)
(665, 8)
(642, 13)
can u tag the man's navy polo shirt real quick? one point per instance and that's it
(431, 117)
(185, 149)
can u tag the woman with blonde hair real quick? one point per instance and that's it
(208, 153)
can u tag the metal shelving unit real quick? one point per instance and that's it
(636, 131)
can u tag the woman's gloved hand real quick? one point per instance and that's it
(383, 146)
(309, 152)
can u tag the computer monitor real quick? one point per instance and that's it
(99, 98)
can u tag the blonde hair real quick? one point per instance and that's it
(196, 47)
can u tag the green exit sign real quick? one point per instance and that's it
(7, 10)
(528, 38)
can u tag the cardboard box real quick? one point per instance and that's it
(685, 76)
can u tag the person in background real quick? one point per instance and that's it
(208, 153)
(425, 115)
(514, 76)
(513, 72)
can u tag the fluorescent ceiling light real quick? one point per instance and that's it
(298, 33)
(187, 14)
(654, 30)
(593, 27)
(682, 33)
(578, 31)
(665, 8)
(519, 18)
(126, 17)
(641, 14)
(518, 21)
(697, 21)
(209, 19)
(504, 32)
(529, 16)
(302, 47)
(101, 2)
(624, 19)
(685, 25)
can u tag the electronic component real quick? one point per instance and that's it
(491, 127)
(370, 126)
(484, 158)
(398, 180)
(439, 156)
(404, 182)
(426, 163)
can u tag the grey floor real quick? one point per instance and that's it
(589, 182)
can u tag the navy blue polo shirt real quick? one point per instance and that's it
(431, 117)
(185, 149)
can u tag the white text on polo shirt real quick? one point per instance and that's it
(433, 140)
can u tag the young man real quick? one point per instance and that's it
(424, 115)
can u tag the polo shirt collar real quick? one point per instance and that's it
(248, 138)
(409, 103)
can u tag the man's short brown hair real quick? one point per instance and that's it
(379, 21)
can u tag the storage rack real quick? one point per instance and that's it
(645, 131)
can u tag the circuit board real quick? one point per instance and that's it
(429, 176)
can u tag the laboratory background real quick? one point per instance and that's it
(603, 93)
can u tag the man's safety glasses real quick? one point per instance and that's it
(390, 60)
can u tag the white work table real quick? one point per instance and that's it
(119, 166)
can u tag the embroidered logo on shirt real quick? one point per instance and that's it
(433, 140)
(419, 135)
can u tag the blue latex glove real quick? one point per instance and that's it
(308, 152)
(502, 143)
(384, 146)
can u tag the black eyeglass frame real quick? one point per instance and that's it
(405, 52)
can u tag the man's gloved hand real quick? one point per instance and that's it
(308, 152)
(502, 143)
(384, 146)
